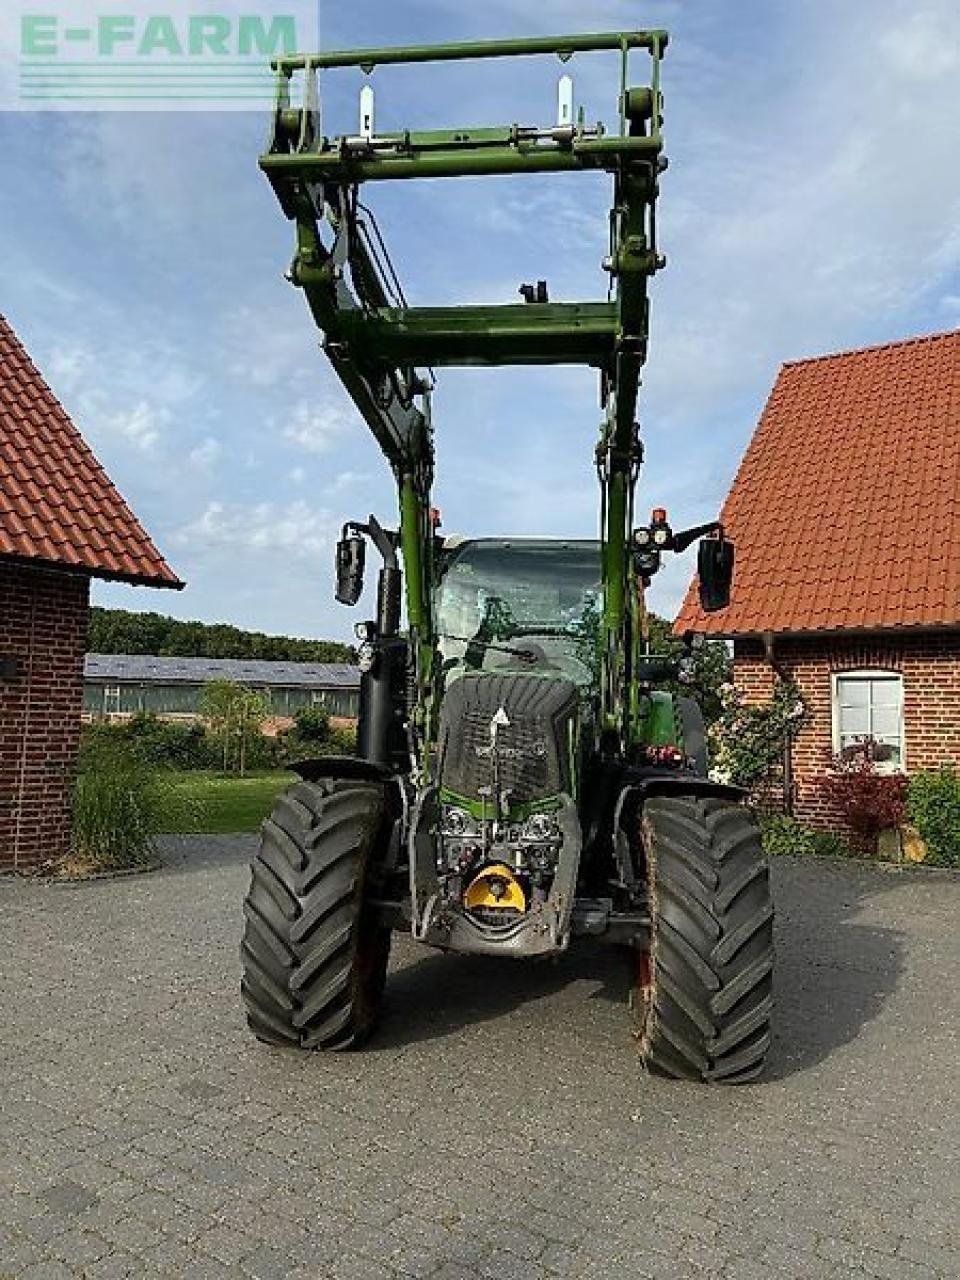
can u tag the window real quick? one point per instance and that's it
(111, 699)
(869, 704)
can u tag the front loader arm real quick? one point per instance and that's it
(393, 400)
(384, 351)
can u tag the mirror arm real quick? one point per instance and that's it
(687, 537)
(384, 541)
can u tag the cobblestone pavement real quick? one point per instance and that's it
(498, 1126)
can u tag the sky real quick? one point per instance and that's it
(812, 204)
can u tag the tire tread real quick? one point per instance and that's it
(709, 1011)
(313, 959)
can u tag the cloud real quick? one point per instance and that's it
(346, 480)
(295, 529)
(273, 342)
(205, 453)
(67, 365)
(316, 427)
(926, 46)
(141, 427)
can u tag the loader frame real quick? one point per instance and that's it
(385, 351)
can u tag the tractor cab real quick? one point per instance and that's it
(523, 605)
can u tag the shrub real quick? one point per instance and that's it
(866, 800)
(339, 740)
(160, 743)
(168, 744)
(783, 836)
(933, 806)
(263, 752)
(342, 740)
(311, 724)
(747, 742)
(117, 802)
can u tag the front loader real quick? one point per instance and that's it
(523, 776)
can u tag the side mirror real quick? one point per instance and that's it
(715, 569)
(351, 556)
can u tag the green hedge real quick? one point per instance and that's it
(159, 743)
(786, 836)
(164, 744)
(933, 807)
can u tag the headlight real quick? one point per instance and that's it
(366, 657)
(540, 826)
(458, 822)
(687, 669)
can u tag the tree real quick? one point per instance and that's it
(216, 704)
(235, 714)
(122, 631)
(251, 708)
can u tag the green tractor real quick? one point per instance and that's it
(523, 777)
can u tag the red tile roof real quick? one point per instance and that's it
(57, 504)
(846, 508)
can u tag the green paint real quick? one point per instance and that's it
(423, 161)
(659, 727)
(462, 50)
(545, 333)
(380, 347)
(481, 809)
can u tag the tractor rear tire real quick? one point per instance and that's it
(704, 996)
(314, 956)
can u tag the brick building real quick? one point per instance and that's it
(846, 517)
(62, 522)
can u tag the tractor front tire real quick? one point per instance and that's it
(314, 956)
(704, 992)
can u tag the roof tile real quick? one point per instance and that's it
(53, 491)
(846, 507)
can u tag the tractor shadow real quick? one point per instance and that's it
(836, 970)
(839, 958)
(444, 994)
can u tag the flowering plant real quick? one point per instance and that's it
(866, 800)
(747, 742)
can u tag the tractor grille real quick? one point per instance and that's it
(532, 748)
(497, 917)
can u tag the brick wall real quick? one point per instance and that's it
(928, 662)
(43, 628)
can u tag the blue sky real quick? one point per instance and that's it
(812, 203)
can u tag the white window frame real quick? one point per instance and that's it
(111, 693)
(869, 673)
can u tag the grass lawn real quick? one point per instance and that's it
(215, 803)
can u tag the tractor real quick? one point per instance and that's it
(526, 771)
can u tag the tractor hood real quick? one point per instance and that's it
(507, 734)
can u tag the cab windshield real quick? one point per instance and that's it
(521, 604)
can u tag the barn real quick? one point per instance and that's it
(119, 685)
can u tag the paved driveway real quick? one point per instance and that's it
(497, 1127)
